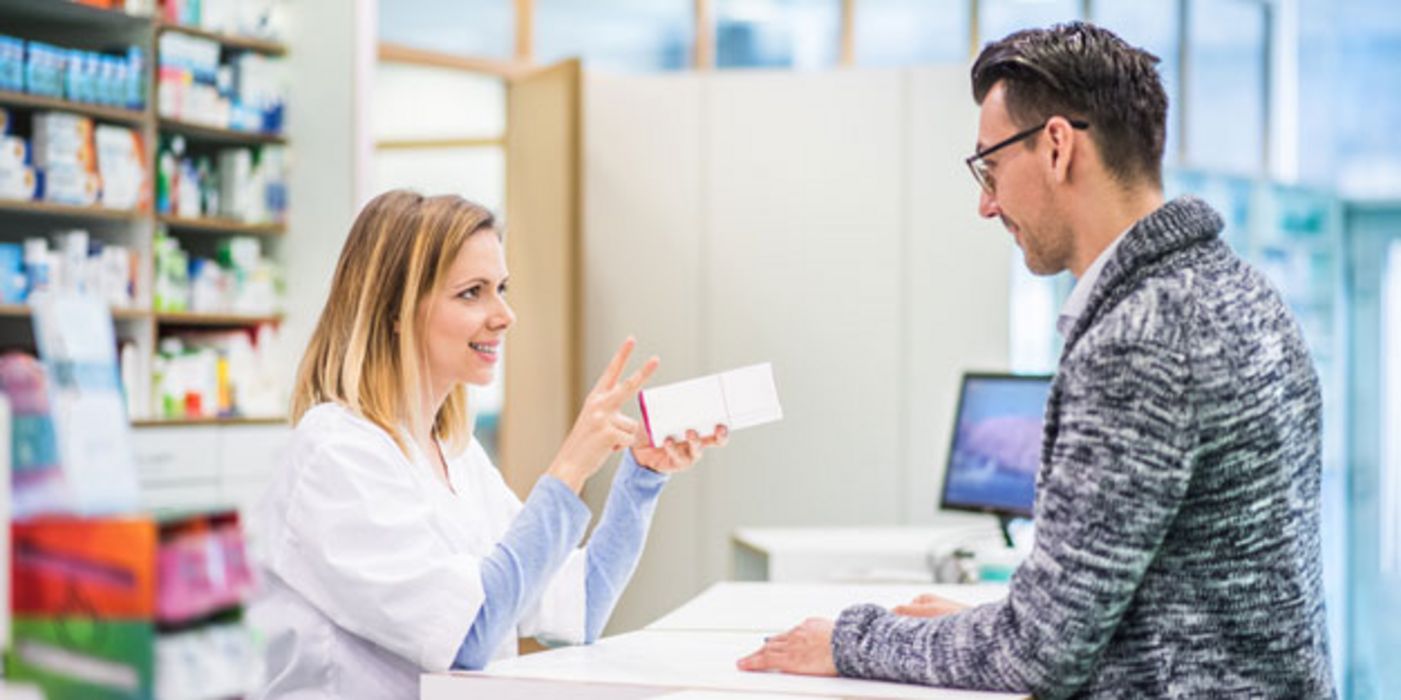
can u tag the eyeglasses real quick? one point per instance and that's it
(979, 167)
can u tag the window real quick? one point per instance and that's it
(801, 34)
(449, 141)
(1151, 25)
(446, 103)
(1226, 86)
(904, 32)
(1347, 119)
(998, 18)
(483, 28)
(616, 35)
(1036, 302)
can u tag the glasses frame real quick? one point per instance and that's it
(980, 169)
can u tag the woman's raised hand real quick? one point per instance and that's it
(675, 456)
(601, 428)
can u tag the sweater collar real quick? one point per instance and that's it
(1178, 224)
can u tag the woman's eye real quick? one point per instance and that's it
(471, 292)
(502, 290)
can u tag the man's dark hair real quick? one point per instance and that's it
(1080, 71)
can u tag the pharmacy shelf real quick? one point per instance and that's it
(101, 112)
(71, 13)
(176, 422)
(77, 25)
(185, 318)
(231, 41)
(228, 227)
(217, 135)
(22, 311)
(14, 206)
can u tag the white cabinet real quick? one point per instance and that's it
(177, 467)
(200, 467)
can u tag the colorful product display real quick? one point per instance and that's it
(241, 184)
(104, 606)
(18, 179)
(72, 160)
(218, 374)
(244, 92)
(36, 476)
(238, 280)
(76, 262)
(71, 567)
(202, 568)
(113, 80)
(143, 8)
(250, 18)
(84, 594)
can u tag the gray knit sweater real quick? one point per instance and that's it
(1177, 504)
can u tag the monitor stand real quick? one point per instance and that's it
(1004, 522)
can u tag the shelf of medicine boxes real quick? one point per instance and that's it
(121, 115)
(225, 227)
(228, 41)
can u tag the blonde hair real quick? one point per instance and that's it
(365, 353)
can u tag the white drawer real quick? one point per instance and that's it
(195, 495)
(177, 453)
(252, 449)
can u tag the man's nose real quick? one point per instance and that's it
(987, 205)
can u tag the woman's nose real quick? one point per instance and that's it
(504, 317)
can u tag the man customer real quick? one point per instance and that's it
(1176, 547)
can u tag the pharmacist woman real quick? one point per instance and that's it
(392, 546)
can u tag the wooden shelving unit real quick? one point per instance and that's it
(221, 226)
(66, 211)
(186, 318)
(236, 420)
(116, 115)
(66, 23)
(64, 12)
(262, 46)
(217, 135)
(22, 311)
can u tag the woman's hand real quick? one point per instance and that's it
(672, 456)
(600, 428)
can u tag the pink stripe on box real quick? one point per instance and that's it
(642, 403)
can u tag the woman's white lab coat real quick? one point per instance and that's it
(371, 565)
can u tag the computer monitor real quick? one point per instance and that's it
(996, 446)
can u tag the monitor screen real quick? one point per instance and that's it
(996, 446)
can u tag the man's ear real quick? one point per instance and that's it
(1060, 135)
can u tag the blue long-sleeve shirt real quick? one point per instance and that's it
(542, 535)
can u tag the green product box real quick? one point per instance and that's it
(83, 657)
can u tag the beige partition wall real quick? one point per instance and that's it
(821, 222)
(643, 226)
(542, 359)
(802, 255)
(956, 273)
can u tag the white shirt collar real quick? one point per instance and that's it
(1079, 297)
